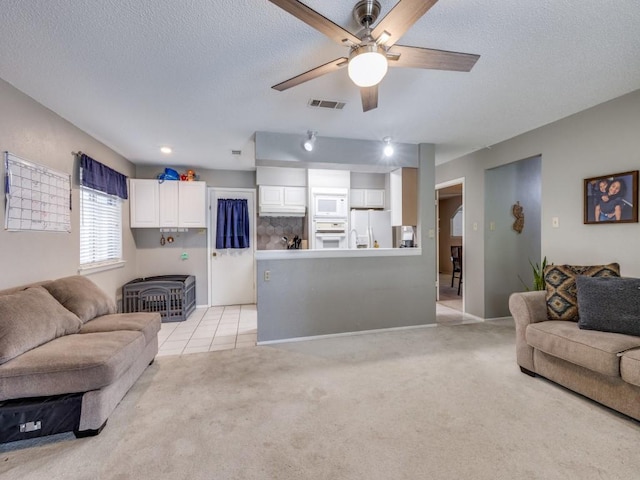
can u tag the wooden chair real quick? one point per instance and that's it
(456, 259)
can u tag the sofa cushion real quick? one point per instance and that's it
(560, 281)
(70, 364)
(29, 318)
(146, 322)
(81, 296)
(597, 351)
(609, 304)
(630, 367)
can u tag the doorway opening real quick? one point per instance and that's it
(450, 244)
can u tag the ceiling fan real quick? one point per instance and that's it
(372, 50)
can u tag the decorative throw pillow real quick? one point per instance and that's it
(609, 304)
(30, 318)
(562, 303)
(81, 296)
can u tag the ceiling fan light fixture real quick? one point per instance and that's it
(388, 147)
(367, 65)
(310, 142)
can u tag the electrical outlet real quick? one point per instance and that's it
(267, 275)
(492, 225)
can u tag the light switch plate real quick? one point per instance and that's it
(555, 222)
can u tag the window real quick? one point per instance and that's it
(100, 229)
(456, 223)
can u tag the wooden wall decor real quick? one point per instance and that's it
(518, 212)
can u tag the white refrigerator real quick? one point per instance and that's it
(369, 226)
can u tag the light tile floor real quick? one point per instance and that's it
(236, 326)
(210, 329)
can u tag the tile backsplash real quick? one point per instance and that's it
(270, 231)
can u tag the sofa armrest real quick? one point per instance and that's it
(526, 308)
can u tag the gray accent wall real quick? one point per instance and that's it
(285, 150)
(507, 253)
(595, 142)
(35, 133)
(308, 297)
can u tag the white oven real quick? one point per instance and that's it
(331, 203)
(330, 234)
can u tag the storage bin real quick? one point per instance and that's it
(27, 418)
(172, 296)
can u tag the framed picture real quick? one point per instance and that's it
(611, 198)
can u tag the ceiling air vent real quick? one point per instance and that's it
(333, 105)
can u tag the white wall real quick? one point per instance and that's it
(35, 133)
(601, 140)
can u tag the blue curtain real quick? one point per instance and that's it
(102, 178)
(232, 229)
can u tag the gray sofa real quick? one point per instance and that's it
(600, 365)
(67, 358)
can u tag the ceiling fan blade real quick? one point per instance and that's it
(317, 21)
(416, 57)
(400, 19)
(330, 67)
(369, 98)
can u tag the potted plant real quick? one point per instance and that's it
(538, 275)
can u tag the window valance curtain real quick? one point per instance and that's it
(232, 226)
(102, 178)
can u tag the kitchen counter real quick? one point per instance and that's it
(336, 253)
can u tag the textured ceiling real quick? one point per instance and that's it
(196, 75)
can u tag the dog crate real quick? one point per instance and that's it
(172, 296)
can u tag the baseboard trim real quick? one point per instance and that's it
(345, 334)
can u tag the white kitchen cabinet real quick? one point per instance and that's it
(271, 196)
(366, 198)
(295, 196)
(192, 204)
(168, 197)
(143, 203)
(282, 201)
(170, 204)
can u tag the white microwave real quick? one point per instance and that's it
(331, 205)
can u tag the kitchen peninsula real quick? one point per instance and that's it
(315, 292)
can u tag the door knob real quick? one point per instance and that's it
(214, 254)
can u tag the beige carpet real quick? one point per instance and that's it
(432, 403)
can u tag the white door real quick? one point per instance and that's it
(233, 277)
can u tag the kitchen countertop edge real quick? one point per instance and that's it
(337, 253)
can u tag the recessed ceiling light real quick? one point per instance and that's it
(166, 150)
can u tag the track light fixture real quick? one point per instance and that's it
(388, 147)
(310, 142)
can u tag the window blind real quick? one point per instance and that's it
(100, 228)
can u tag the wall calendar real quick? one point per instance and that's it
(37, 198)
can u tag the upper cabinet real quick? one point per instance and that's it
(403, 186)
(279, 201)
(143, 203)
(170, 204)
(366, 198)
(192, 204)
